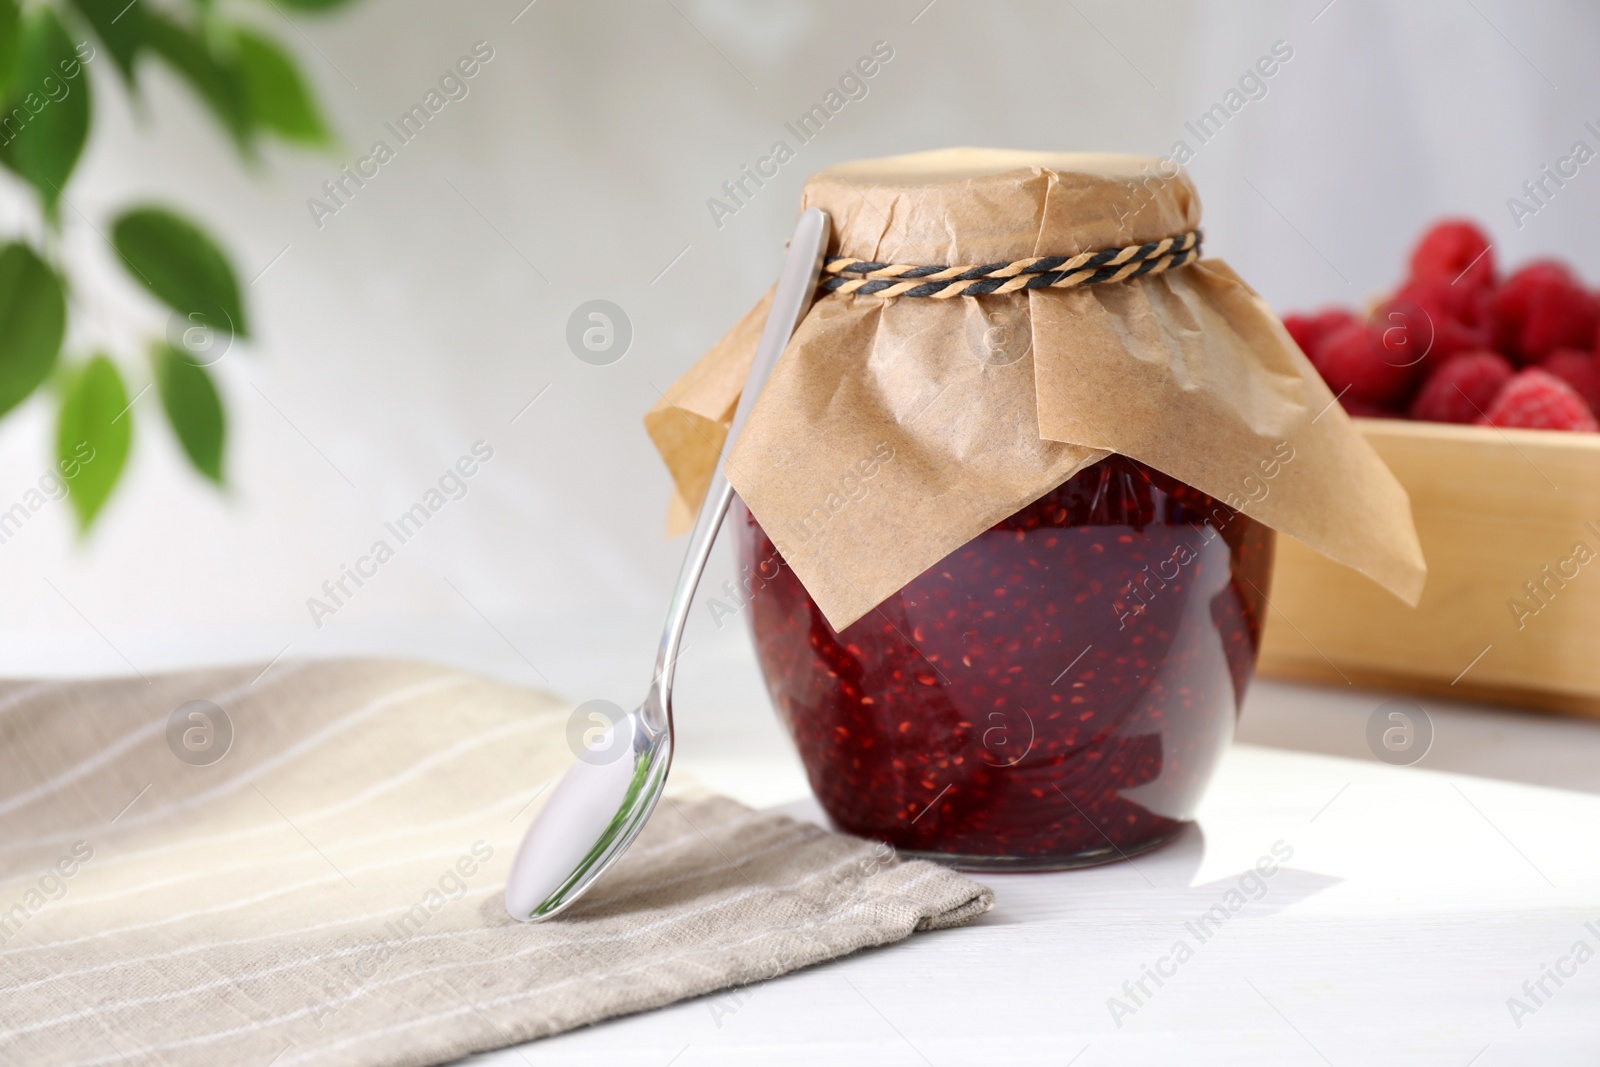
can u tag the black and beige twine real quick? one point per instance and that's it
(844, 276)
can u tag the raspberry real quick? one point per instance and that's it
(1541, 308)
(1454, 249)
(1413, 331)
(1358, 370)
(1462, 388)
(1360, 409)
(1309, 331)
(1581, 370)
(1538, 400)
(1469, 307)
(1509, 306)
(1558, 317)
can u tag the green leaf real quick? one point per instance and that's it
(217, 82)
(193, 408)
(93, 435)
(120, 26)
(277, 95)
(182, 266)
(33, 318)
(10, 42)
(46, 119)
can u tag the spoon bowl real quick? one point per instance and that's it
(595, 812)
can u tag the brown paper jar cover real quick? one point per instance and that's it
(893, 431)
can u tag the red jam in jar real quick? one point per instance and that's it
(1054, 693)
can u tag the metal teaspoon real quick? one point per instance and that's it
(600, 805)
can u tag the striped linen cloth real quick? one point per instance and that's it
(328, 890)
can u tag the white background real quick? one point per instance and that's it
(431, 309)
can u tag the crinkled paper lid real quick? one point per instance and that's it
(893, 431)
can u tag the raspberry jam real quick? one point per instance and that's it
(1054, 693)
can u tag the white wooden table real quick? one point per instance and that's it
(1416, 903)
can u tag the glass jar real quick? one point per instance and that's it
(1054, 693)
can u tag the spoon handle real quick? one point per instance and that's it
(797, 284)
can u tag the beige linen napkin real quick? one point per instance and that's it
(312, 874)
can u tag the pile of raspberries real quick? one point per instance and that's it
(1458, 344)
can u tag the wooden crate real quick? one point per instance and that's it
(1494, 509)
